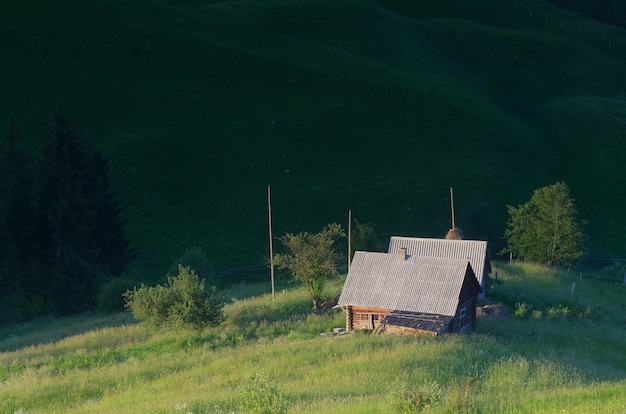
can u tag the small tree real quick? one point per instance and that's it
(184, 302)
(311, 258)
(545, 229)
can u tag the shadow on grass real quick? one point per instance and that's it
(50, 330)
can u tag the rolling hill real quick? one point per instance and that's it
(378, 107)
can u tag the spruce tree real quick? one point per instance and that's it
(79, 226)
(16, 216)
(114, 250)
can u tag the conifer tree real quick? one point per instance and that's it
(16, 216)
(79, 226)
(114, 250)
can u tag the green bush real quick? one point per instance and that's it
(262, 396)
(523, 310)
(184, 302)
(404, 398)
(559, 311)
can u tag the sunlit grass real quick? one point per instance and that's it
(530, 365)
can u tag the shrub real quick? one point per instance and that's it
(537, 314)
(184, 302)
(262, 396)
(523, 310)
(410, 399)
(567, 309)
(559, 311)
(111, 294)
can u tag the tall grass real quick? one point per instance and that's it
(518, 365)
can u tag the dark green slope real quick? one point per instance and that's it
(564, 75)
(337, 104)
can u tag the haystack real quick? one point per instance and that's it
(454, 234)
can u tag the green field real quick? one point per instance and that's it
(374, 107)
(338, 105)
(564, 354)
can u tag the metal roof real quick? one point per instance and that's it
(473, 250)
(416, 284)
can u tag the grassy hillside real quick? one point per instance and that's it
(343, 104)
(562, 353)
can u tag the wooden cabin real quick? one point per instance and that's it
(476, 251)
(400, 293)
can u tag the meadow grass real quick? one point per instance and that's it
(525, 364)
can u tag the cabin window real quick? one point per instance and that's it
(368, 320)
(462, 313)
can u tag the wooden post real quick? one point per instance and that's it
(452, 206)
(349, 237)
(573, 287)
(269, 215)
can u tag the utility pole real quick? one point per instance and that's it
(269, 215)
(349, 237)
(452, 206)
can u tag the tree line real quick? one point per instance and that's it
(547, 229)
(61, 229)
(62, 239)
